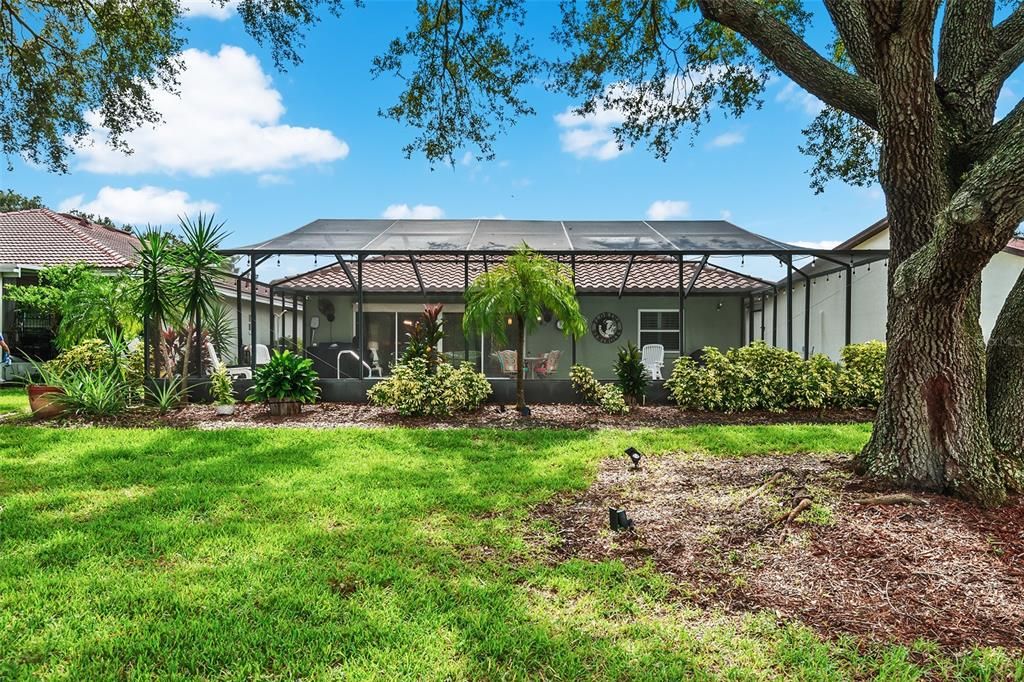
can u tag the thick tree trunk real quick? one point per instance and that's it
(520, 360)
(1006, 386)
(931, 431)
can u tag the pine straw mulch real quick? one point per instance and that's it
(567, 416)
(939, 568)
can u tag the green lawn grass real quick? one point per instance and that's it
(367, 554)
(13, 400)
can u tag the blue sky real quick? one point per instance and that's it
(271, 151)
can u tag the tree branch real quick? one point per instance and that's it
(852, 24)
(1011, 29)
(965, 40)
(983, 146)
(794, 57)
(979, 220)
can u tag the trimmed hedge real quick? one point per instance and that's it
(762, 377)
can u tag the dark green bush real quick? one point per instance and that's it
(632, 374)
(286, 377)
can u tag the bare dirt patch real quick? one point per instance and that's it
(942, 570)
(328, 415)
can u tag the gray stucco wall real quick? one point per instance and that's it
(711, 320)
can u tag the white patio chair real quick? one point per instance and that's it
(373, 347)
(233, 372)
(652, 355)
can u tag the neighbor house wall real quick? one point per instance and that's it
(711, 320)
(870, 301)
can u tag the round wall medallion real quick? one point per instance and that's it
(606, 327)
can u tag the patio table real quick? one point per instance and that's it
(532, 363)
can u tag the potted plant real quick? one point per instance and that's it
(44, 388)
(285, 383)
(222, 391)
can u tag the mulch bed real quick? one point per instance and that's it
(326, 415)
(942, 569)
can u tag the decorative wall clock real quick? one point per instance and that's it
(606, 327)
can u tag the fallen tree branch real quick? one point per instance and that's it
(898, 498)
(803, 506)
(774, 478)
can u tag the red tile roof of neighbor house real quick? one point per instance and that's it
(42, 238)
(594, 274)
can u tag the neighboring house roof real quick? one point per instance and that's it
(42, 238)
(594, 274)
(1014, 246)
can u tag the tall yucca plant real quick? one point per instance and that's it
(524, 287)
(156, 295)
(198, 267)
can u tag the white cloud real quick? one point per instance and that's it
(667, 209)
(499, 216)
(823, 245)
(467, 159)
(270, 179)
(590, 136)
(417, 212)
(138, 206)
(792, 95)
(227, 118)
(727, 139)
(726, 214)
(593, 136)
(212, 9)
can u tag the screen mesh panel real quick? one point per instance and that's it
(508, 235)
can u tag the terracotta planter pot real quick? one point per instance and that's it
(282, 407)
(42, 400)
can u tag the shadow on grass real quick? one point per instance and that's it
(381, 553)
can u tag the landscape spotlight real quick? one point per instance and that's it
(634, 456)
(619, 520)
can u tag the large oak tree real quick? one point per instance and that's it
(910, 88)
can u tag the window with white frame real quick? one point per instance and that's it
(660, 326)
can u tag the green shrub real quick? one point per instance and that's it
(819, 383)
(286, 377)
(413, 390)
(762, 377)
(632, 374)
(606, 396)
(99, 377)
(862, 377)
(95, 393)
(221, 388)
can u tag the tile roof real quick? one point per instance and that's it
(594, 274)
(41, 237)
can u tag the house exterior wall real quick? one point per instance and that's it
(710, 320)
(870, 302)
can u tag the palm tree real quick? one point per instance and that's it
(525, 287)
(156, 296)
(198, 267)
